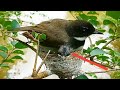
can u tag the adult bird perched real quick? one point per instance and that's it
(63, 35)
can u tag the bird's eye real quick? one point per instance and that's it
(84, 29)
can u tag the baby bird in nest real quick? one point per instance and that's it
(64, 67)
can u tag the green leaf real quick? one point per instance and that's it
(43, 37)
(117, 53)
(107, 48)
(14, 42)
(17, 57)
(114, 59)
(78, 17)
(103, 58)
(107, 22)
(81, 77)
(102, 30)
(4, 65)
(19, 52)
(9, 46)
(89, 49)
(111, 31)
(94, 22)
(3, 54)
(83, 16)
(93, 75)
(92, 17)
(20, 45)
(7, 23)
(100, 41)
(112, 37)
(2, 48)
(91, 12)
(2, 20)
(113, 14)
(15, 24)
(97, 52)
(35, 34)
(112, 53)
(9, 60)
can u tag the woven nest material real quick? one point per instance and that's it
(63, 67)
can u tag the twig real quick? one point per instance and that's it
(24, 43)
(90, 41)
(7, 56)
(43, 61)
(108, 43)
(73, 15)
(34, 69)
(102, 71)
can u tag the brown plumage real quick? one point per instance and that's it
(57, 30)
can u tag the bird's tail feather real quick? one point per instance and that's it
(28, 28)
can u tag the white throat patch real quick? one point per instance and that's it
(80, 38)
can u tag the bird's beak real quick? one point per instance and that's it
(97, 32)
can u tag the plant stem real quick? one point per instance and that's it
(90, 41)
(7, 56)
(35, 64)
(73, 15)
(102, 71)
(24, 43)
(43, 61)
(108, 43)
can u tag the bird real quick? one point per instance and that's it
(65, 36)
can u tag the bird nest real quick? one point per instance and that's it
(64, 67)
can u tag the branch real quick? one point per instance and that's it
(102, 71)
(43, 61)
(108, 43)
(73, 15)
(24, 43)
(90, 41)
(35, 64)
(7, 56)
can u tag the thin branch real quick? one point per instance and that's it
(43, 61)
(108, 43)
(7, 56)
(90, 41)
(24, 43)
(35, 64)
(73, 15)
(102, 71)
(18, 31)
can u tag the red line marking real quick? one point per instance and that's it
(91, 62)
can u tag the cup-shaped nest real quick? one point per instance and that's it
(64, 67)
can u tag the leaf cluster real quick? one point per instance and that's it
(106, 55)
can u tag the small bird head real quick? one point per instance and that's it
(64, 50)
(81, 28)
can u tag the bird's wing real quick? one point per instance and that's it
(54, 30)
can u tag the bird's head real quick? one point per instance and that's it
(81, 28)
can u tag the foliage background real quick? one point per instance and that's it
(107, 22)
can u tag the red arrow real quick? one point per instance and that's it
(91, 62)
